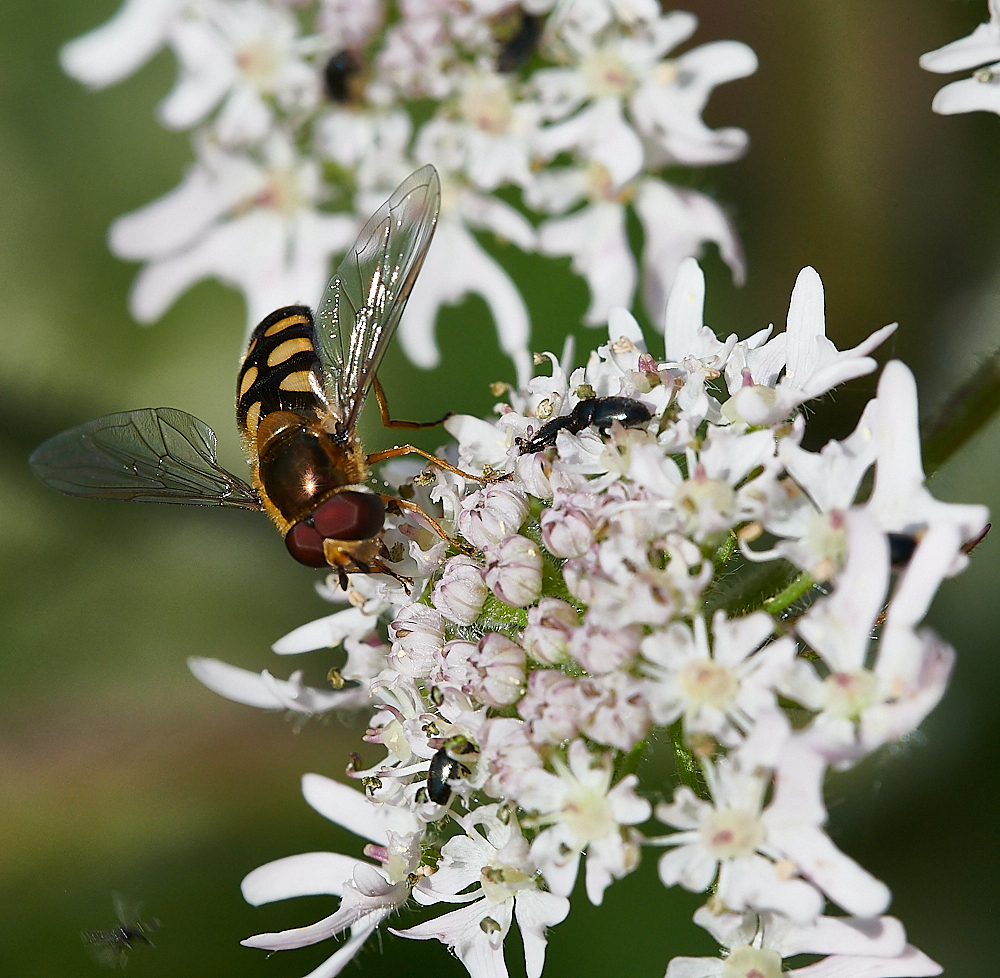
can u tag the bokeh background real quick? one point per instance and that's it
(119, 771)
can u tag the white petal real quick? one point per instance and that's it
(535, 911)
(249, 248)
(912, 963)
(798, 794)
(307, 874)
(982, 45)
(685, 311)
(899, 500)
(691, 866)
(622, 323)
(695, 968)
(499, 217)
(326, 633)
(456, 265)
(460, 930)
(754, 883)
(354, 811)
(881, 936)
(840, 877)
(178, 218)
(336, 963)
(806, 327)
(967, 95)
(595, 238)
(120, 46)
(263, 690)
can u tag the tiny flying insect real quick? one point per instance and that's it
(601, 412)
(109, 948)
(300, 388)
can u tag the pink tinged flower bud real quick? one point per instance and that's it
(499, 667)
(613, 710)
(550, 625)
(417, 639)
(455, 668)
(491, 515)
(533, 471)
(551, 707)
(566, 532)
(599, 650)
(460, 593)
(514, 571)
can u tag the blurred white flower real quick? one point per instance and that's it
(981, 92)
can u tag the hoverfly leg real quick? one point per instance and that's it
(390, 422)
(394, 504)
(343, 580)
(398, 450)
(377, 567)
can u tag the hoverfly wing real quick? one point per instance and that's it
(149, 455)
(103, 949)
(364, 301)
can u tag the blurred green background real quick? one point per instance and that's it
(119, 771)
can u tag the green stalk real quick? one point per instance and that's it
(688, 768)
(790, 594)
(970, 408)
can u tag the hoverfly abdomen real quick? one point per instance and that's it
(298, 466)
(274, 374)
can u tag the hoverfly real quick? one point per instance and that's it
(300, 388)
(109, 948)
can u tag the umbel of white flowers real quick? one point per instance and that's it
(574, 106)
(607, 598)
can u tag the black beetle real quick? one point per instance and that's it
(601, 412)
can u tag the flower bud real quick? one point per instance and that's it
(600, 651)
(514, 571)
(612, 710)
(566, 532)
(455, 666)
(551, 707)
(550, 625)
(417, 639)
(460, 593)
(531, 471)
(500, 668)
(492, 514)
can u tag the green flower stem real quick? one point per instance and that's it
(970, 408)
(688, 768)
(790, 594)
(629, 763)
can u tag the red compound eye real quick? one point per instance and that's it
(305, 545)
(350, 515)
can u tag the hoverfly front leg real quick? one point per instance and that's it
(398, 450)
(394, 503)
(389, 422)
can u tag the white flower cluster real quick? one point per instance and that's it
(980, 50)
(306, 114)
(615, 596)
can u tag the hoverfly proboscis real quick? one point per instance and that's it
(301, 386)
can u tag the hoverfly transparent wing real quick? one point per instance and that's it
(151, 455)
(363, 303)
(104, 949)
